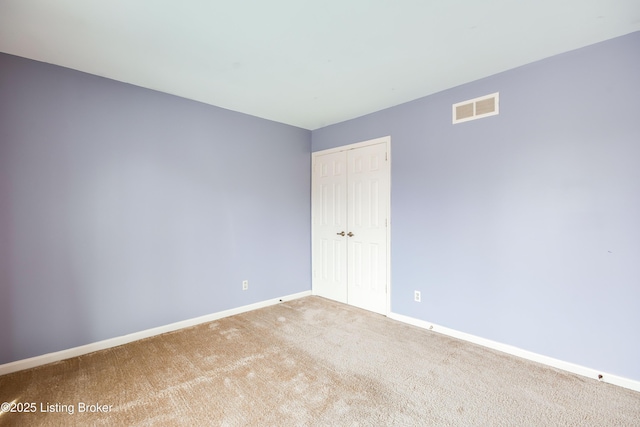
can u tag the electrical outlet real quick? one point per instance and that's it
(416, 296)
(245, 285)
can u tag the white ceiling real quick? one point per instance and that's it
(305, 63)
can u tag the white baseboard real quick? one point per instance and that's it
(525, 354)
(32, 362)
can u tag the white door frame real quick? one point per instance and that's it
(386, 140)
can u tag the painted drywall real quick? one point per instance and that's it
(123, 209)
(523, 228)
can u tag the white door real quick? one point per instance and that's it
(329, 202)
(350, 199)
(368, 189)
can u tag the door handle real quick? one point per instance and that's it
(340, 234)
(350, 234)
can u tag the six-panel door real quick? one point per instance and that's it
(367, 197)
(329, 202)
(350, 205)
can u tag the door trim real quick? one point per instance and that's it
(386, 140)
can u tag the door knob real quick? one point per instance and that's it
(350, 234)
(340, 234)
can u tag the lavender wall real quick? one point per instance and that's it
(123, 209)
(523, 228)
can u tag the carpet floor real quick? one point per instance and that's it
(308, 362)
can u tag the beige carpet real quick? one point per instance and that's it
(309, 362)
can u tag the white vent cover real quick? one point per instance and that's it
(477, 108)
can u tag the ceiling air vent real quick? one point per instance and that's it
(477, 108)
